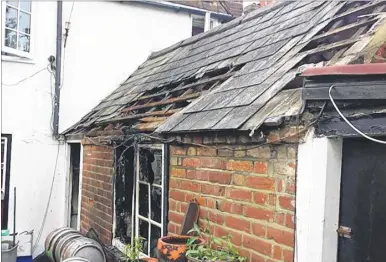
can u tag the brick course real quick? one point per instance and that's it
(248, 193)
(97, 188)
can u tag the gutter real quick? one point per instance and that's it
(58, 66)
(178, 7)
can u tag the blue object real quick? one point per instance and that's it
(24, 259)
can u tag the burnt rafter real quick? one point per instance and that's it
(138, 116)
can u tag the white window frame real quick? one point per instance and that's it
(162, 186)
(12, 51)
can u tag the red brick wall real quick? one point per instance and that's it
(97, 191)
(249, 193)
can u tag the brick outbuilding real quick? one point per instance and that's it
(226, 118)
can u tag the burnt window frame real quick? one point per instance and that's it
(165, 191)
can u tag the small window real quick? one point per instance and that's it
(16, 28)
(198, 24)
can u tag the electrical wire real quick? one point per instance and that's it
(26, 78)
(48, 202)
(72, 9)
(349, 123)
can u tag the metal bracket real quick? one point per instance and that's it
(345, 232)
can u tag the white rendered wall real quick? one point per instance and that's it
(317, 199)
(26, 115)
(107, 42)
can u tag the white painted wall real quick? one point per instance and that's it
(317, 199)
(26, 114)
(107, 42)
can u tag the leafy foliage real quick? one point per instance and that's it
(216, 249)
(133, 251)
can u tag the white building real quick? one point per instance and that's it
(102, 42)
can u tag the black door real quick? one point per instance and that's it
(363, 201)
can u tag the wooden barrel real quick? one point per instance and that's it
(76, 259)
(58, 236)
(85, 248)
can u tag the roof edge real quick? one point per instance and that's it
(355, 69)
(179, 7)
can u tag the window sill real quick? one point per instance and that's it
(16, 59)
(121, 247)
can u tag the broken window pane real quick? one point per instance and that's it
(146, 157)
(156, 198)
(157, 167)
(150, 166)
(155, 234)
(144, 232)
(143, 200)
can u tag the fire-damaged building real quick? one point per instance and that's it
(246, 119)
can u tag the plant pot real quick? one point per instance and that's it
(173, 248)
(145, 259)
(191, 259)
(149, 259)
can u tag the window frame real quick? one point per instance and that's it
(164, 194)
(11, 52)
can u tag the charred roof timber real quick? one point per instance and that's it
(359, 93)
(237, 75)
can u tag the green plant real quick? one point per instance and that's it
(216, 248)
(133, 251)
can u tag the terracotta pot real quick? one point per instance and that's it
(149, 259)
(191, 259)
(173, 248)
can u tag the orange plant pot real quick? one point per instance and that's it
(149, 259)
(173, 248)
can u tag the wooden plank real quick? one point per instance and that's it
(165, 102)
(149, 125)
(370, 126)
(358, 10)
(191, 217)
(336, 45)
(346, 93)
(155, 113)
(343, 29)
(153, 119)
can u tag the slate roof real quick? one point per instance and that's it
(234, 76)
